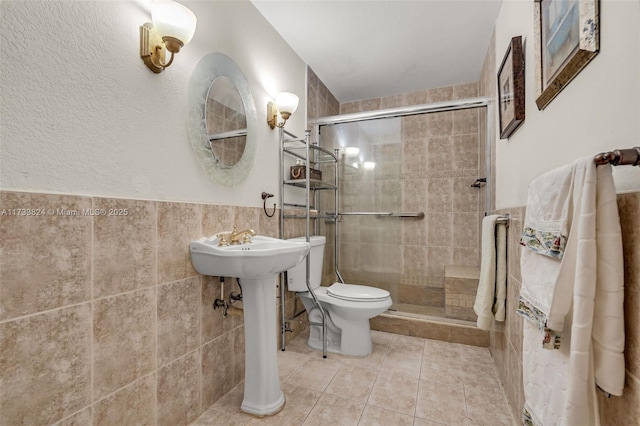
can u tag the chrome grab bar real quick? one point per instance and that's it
(417, 215)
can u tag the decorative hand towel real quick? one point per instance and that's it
(492, 290)
(546, 228)
(572, 296)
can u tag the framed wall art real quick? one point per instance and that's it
(566, 36)
(511, 89)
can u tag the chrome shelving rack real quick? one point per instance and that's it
(312, 155)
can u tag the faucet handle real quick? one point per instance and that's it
(247, 238)
(223, 239)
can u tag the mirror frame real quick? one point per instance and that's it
(209, 68)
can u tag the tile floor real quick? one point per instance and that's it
(405, 381)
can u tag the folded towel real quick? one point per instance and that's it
(572, 284)
(492, 290)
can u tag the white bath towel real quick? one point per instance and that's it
(492, 288)
(578, 297)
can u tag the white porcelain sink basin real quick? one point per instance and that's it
(256, 264)
(263, 257)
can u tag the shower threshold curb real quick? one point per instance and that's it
(447, 330)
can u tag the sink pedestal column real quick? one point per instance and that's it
(262, 393)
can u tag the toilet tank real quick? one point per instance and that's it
(297, 275)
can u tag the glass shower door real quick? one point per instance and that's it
(370, 170)
(425, 162)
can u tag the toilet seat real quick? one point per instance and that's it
(357, 293)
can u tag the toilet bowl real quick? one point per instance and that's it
(348, 307)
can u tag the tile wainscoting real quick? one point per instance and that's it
(102, 317)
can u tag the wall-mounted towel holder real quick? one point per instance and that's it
(265, 196)
(619, 157)
(506, 219)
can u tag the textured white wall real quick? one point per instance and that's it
(598, 111)
(82, 114)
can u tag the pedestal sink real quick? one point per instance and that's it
(256, 264)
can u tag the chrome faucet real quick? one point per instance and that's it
(235, 237)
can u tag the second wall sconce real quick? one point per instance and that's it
(173, 27)
(286, 104)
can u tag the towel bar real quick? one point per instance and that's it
(619, 157)
(506, 219)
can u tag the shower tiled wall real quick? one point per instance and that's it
(320, 100)
(322, 103)
(103, 319)
(506, 338)
(430, 171)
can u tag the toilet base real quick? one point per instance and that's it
(315, 339)
(348, 330)
(353, 340)
(315, 332)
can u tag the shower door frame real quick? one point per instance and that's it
(479, 102)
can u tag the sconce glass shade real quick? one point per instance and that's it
(286, 103)
(351, 151)
(369, 165)
(173, 20)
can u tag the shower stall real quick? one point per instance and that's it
(406, 203)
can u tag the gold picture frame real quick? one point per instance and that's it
(567, 38)
(511, 106)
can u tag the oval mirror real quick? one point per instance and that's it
(222, 119)
(226, 121)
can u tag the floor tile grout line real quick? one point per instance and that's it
(415, 406)
(379, 368)
(373, 385)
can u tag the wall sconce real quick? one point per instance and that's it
(286, 104)
(173, 27)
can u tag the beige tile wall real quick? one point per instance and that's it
(506, 338)
(460, 288)
(103, 319)
(320, 100)
(322, 103)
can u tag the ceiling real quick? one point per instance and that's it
(370, 49)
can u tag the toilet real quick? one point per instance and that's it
(348, 307)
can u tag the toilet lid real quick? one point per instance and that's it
(357, 293)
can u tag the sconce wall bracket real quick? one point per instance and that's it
(152, 48)
(272, 115)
